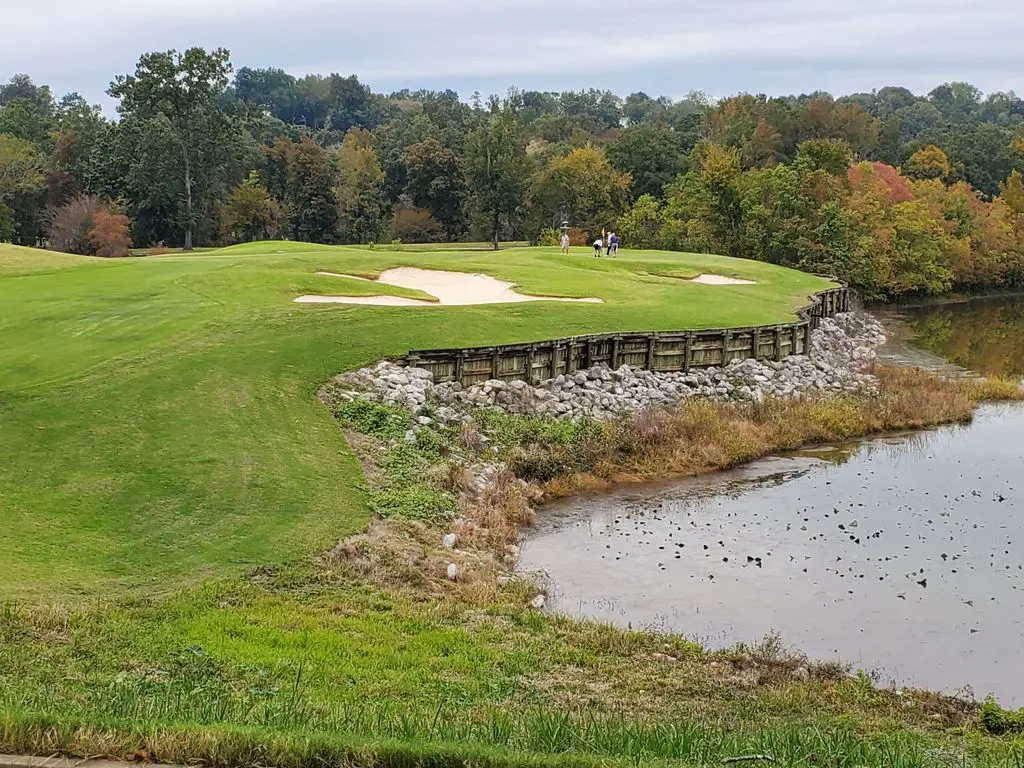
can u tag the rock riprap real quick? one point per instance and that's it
(842, 349)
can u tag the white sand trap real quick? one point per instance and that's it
(721, 280)
(452, 289)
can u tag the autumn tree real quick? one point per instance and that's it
(179, 93)
(109, 235)
(435, 180)
(360, 192)
(498, 171)
(414, 225)
(252, 214)
(1012, 192)
(927, 163)
(583, 187)
(71, 223)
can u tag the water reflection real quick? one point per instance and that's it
(984, 334)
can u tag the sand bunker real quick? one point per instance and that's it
(721, 280)
(449, 288)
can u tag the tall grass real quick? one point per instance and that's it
(371, 735)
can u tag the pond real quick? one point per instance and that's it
(901, 555)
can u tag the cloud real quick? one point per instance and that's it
(660, 46)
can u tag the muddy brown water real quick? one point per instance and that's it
(902, 555)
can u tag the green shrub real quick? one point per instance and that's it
(542, 449)
(549, 236)
(374, 419)
(418, 501)
(997, 720)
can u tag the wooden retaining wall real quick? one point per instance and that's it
(662, 351)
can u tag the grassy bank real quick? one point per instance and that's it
(159, 417)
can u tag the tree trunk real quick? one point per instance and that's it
(497, 226)
(188, 204)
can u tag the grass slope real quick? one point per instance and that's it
(158, 419)
(159, 436)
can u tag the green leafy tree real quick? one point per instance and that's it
(720, 175)
(642, 225)
(887, 149)
(24, 119)
(21, 168)
(651, 154)
(833, 156)
(437, 182)
(180, 93)
(498, 170)
(21, 191)
(312, 203)
(76, 149)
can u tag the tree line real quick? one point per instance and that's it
(897, 193)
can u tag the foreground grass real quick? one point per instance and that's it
(158, 415)
(370, 657)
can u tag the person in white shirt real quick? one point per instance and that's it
(565, 243)
(598, 245)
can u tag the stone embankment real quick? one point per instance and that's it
(842, 350)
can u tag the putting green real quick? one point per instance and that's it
(158, 419)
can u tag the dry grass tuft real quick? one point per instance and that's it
(699, 436)
(495, 514)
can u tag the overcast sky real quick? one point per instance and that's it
(658, 46)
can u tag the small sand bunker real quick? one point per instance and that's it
(449, 288)
(721, 280)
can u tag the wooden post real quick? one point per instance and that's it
(755, 343)
(495, 363)
(796, 336)
(614, 363)
(529, 364)
(687, 348)
(651, 341)
(807, 338)
(459, 362)
(726, 338)
(588, 354)
(778, 343)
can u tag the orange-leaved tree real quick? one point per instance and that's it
(109, 234)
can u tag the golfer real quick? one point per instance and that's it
(613, 244)
(598, 245)
(565, 243)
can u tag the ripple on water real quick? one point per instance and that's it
(902, 555)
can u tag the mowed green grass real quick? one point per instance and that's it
(158, 418)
